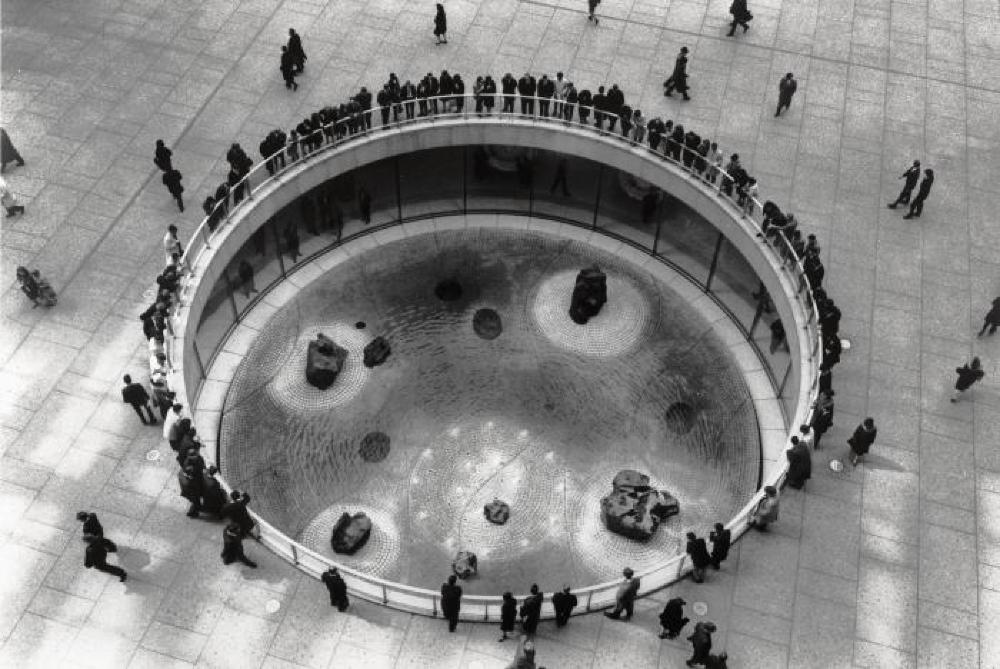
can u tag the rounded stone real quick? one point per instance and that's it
(486, 323)
(681, 417)
(374, 447)
(361, 325)
(448, 290)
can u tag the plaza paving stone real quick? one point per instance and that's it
(895, 564)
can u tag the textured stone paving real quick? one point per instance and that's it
(896, 563)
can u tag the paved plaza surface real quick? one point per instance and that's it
(893, 564)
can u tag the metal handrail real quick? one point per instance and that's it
(476, 607)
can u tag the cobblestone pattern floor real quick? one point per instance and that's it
(894, 564)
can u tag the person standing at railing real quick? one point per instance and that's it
(625, 115)
(563, 602)
(408, 93)
(446, 89)
(394, 96)
(625, 596)
(585, 101)
(451, 601)
(441, 25)
(766, 511)
(531, 610)
(721, 539)
(526, 87)
(423, 94)
(509, 86)
(638, 127)
(600, 106)
(508, 615)
(337, 588)
(572, 97)
(912, 175)
(489, 93)
(613, 102)
(433, 90)
(477, 94)
(562, 88)
(799, 464)
(364, 100)
(458, 88)
(700, 559)
(546, 90)
(232, 546)
(384, 99)
(822, 416)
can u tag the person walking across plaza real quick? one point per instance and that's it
(672, 618)
(741, 16)
(440, 25)
(135, 395)
(296, 52)
(531, 610)
(172, 180)
(96, 557)
(625, 596)
(862, 439)
(592, 11)
(337, 588)
(786, 89)
(701, 643)
(766, 511)
(721, 539)
(92, 528)
(968, 374)
(700, 559)
(912, 175)
(563, 602)
(451, 601)
(917, 206)
(678, 78)
(232, 546)
(508, 615)
(161, 156)
(992, 319)
(524, 656)
(287, 68)
(8, 153)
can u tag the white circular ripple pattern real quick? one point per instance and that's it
(289, 387)
(616, 330)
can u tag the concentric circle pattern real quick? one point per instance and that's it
(542, 417)
(614, 331)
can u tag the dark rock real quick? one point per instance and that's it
(350, 533)
(374, 447)
(497, 512)
(361, 325)
(324, 361)
(465, 564)
(634, 509)
(376, 352)
(448, 290)
(681, 417)
(589, 295)
(486, 323)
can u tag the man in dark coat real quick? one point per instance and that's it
(678, 79)
(295, 50)
(384, 100)
(527, 87)
(701, 643)
(135, 395)
(451, 601)
(546, 89)
(232, 546)
(364, 98)
(912, 175)
(585, 104)
(700, 559)
(191, 486)
(741, 16)
(563, 602)
(968, 374)
(92, 528)
(992, 319)
(337, 588)
(172, 180)
(613, 103)
(786, 89)
(822, 416)
(799, 464)
(508, 614)
(862, 439)
(509, 87)
(96, 556)
(236, 511)
(161, 157)
(213, 497)
(7, 151)
(408, 93)
(287, 68)
(531, 610)
(917, 206)
(721, 539)
(672, 618)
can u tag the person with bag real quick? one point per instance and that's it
(741, 16)
(862, 439)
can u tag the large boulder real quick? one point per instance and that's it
(465, 564)
(324, 361)
(634, 509)
(377, 351)
(589, 295)
(350, 533)
(497, 512)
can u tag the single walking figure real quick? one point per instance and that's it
(625, 596)
(968, 374)
(161, 157)
(992, 319)
(741, 16)
(92, 528)
(296, 52)
(441, 25)
(172, 180)
(337, 588)
(912, 175)
(672, 618)
(135, 395)
(591, 11)
(678, 79)
(862, 439)
(786, 89)
(917, 206)
(287, 68)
